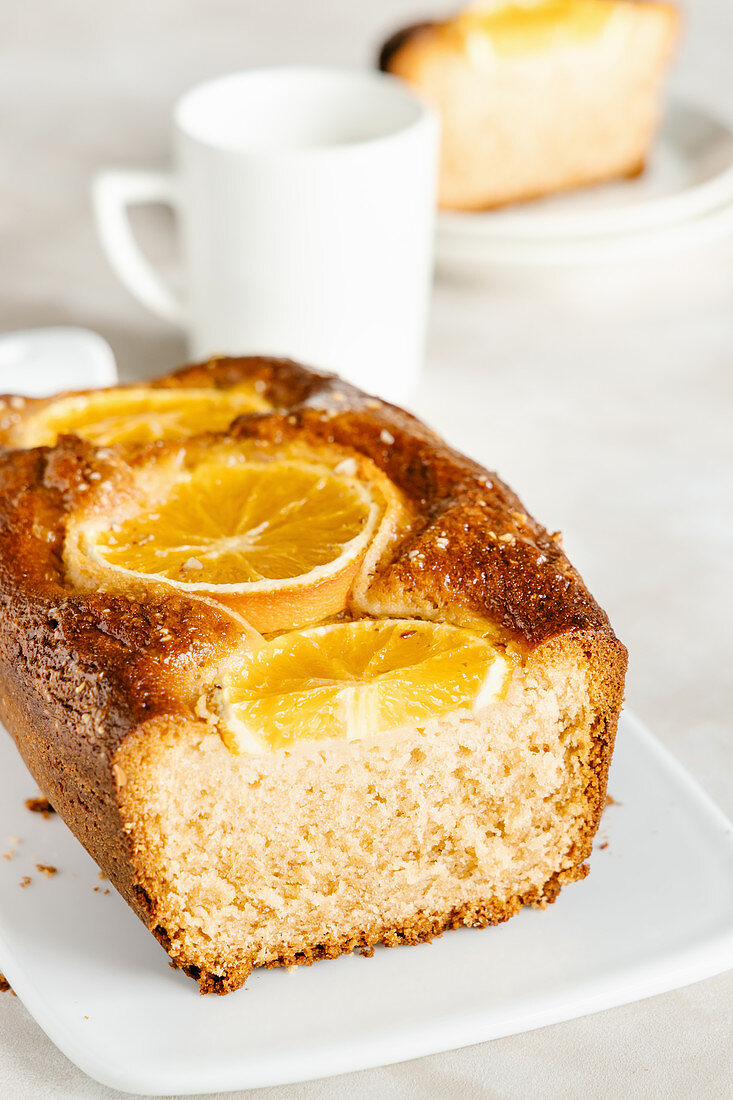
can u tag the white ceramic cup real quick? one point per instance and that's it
(306, 202)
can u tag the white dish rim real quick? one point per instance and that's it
(531, 224)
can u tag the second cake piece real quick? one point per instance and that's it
(539, 96)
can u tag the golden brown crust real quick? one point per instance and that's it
(396, 41)
(80, 673)
(498, 561)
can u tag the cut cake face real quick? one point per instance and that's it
(313, 683)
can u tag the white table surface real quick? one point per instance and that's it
(605, 397)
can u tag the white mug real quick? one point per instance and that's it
(306, 201)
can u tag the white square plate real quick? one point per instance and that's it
(655, 913)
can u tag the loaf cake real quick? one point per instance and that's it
(308, 683)
(538, 96)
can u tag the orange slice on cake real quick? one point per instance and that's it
(138, 414)
(280, 542)
(350, 681)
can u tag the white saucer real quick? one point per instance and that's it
(100, 986)
(37, 362)
(683, 198)
(478, 254)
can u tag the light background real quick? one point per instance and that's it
(605, 397)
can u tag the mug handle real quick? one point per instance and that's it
(112, 192)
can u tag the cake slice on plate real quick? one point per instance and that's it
(539, 96)
(312, 683)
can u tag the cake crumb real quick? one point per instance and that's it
(47, 869)
(604, 845)
(25, 881)
(39, 806)
(7, 856)
(102, 876)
